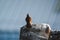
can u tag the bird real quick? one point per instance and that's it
(28, 20)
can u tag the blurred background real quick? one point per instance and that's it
(13, 13)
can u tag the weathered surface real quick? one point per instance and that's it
(37, 32)
(55, 35)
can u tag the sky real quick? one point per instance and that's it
(13, 13)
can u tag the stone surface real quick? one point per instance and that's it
(55, 35)
(37, 32)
